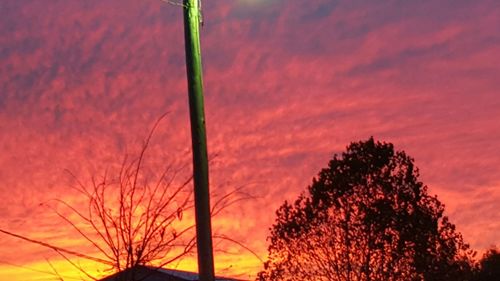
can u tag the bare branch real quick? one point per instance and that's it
(55, 248)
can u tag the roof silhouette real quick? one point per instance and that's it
(147, 273)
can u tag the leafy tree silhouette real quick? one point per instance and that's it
(366, 217)
(489, 266)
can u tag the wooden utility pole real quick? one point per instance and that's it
(192, 21)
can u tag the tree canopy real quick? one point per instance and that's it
(366, 217)
(489, 266)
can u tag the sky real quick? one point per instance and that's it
(288, 83)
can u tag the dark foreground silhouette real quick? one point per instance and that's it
(367, 217)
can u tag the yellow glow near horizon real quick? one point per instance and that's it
(43, 270)
(242, 266)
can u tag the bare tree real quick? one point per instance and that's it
(132, 218)
(135, 221)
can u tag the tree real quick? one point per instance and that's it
(130, 217)
(366, 217)
(489, 266)
(133, 217)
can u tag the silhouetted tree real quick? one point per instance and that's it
(489, 266)
(366, 217)
(133, 218)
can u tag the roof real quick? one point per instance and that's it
(146, 273)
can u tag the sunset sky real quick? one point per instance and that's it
(288, 83)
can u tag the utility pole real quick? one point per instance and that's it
(192, 21)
